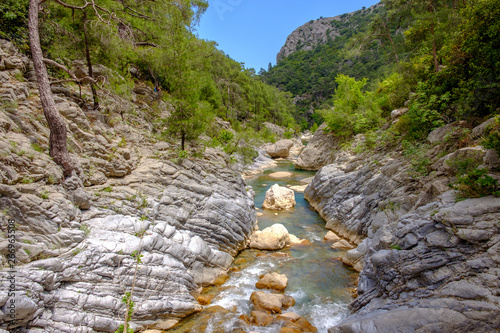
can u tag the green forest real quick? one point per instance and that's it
(151, 42)
(440, 56)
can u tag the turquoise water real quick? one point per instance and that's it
(317, 279)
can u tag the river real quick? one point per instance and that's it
(317, 279)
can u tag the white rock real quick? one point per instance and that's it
(278, 197)
(274, 237)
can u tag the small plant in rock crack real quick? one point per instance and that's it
(86, 229)
(127, 298)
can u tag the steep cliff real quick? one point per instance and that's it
(318, 32)
(133, 218)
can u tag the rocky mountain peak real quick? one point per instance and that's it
(318, 32)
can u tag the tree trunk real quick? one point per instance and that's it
(434, 51)
(392, 43)
(89, 62)
(183, 139)
(57, 141)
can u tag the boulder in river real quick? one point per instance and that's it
(281, 174)
(280, 148)
(278, 197)
(272, 303)
(261, 318)
(274, 237)
(273, 281)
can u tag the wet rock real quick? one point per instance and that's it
(331, 237)
(282, 174)
(278, 197)
(261, 318)
(342, 245)
(295, 241)
(289, 316)
(272, 303)
(305, 325)
(280, 149)
(273, 281)
(274, 237)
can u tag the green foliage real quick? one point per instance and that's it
(225, 136)
(417, 154)
(86, 229)
(153, 41)
(107, 189)
(36, 147)
(357, 52)
(354, 112)
(44, 195)
(396, 247)
(491, 139)
(14, 22)
(464, 166)
(424, 114)
(475, 184)
(121, 329)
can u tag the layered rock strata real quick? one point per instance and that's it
(133, 217)
(427, 262)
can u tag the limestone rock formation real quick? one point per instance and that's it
(427, 262)
(274, 237)
(316, 32)
(78, 238)
(318, 152)
(280, 148)
(278, 197)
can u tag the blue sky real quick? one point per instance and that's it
(253, 31)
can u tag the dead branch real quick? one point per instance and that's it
(60, 66)
(146, 44)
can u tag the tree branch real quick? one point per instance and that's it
(146, 44)
(61, 67)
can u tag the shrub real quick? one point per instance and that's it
(475, 184)
(354, 111)
(225, 136)
(417, 154)
(491, 140)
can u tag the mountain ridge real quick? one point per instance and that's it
(318, 32)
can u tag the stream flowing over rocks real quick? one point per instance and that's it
(427, 262)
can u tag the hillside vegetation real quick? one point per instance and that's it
(126, 45)
(439, 55)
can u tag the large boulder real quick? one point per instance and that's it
(274, 237)
(280, 148)
(318, 151)
(272, 303)
(278, 197)
(273, 281)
